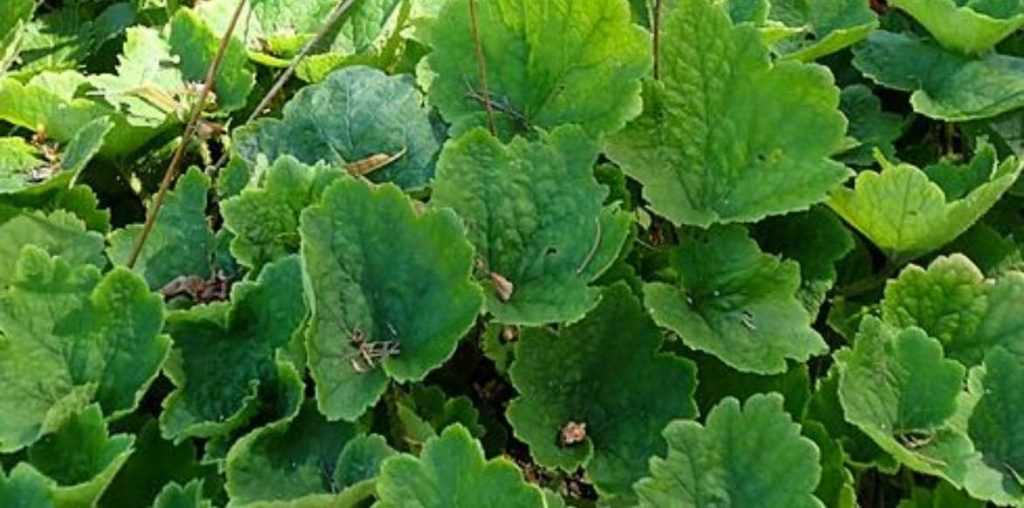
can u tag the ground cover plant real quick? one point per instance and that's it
(511, 253)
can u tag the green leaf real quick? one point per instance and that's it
(26, 488)
(19, 160)
(837, 486)
(176, 496)
(536, 216)
(954, 303)
(293, 459)
(906, 214)
(945, 85)
(724, 137)
(825, 407)
(375, 269)
(451, 473)
(55, 103)
(59, 234)
(825, 26)
(736, 303)
(896, 386)
(181, 242)
(971, 26)
(716, 381)
(816, 239)
(70, 335)
(995, 426)
(146, 67)
(224, 353)
(370, 114)
(873, 128)
(541, 74)
(196, 45)
(17, 13)
(739, 458)
(604, 372)
(81, 458)
(426, 411)
(265, 219)
(943, 496)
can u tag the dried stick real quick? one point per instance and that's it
(190, 129)
(481, 64)
(285, 75)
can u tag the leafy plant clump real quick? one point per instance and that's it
(511, 253)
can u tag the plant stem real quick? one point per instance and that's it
(190, 129)
(656, 31)
(285, 75)
(481, 64)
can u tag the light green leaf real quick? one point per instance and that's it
(451, 473)
(724, 136)
(370, 114)
(181, 242)
(19, 161)
(145, 68)
(589, 77)
(967, 26)
(378, 271)
(70, 336)
(827, 26)
(736, 303)
(224, 353)
(826, 408)
(945, 85)
(953, 302)
(605, 373)
(996, 427)
(81, 458)
(265, 218)
(837, 486)
(943, 496)
(896, 386)
(26, 487)
(196, 45)
(17, 13)
(294, 459)
(536, 216)
(739, 458)
(176, 496)
(59, 234)
(56, 104)
(906, 214)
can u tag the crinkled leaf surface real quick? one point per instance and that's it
(723, 137)
(953, 302)
(57, 104)
(265, 219)
(81, 458)
(896, 386)
(451, 473)
(70, 335)
(739, 458)
(375, 267)
(18, 159)
(907, 214)
(604, 372)
(996, 427)
(146, 65)
(590, 77)
(176, 496)
(356, 113)
(59, 234)
(537, 218)
(196, 45)
(826, 26)
(224, 352)
(293, 459)
(181, 242)
(945, 85)
(735, 302)
(966, 26)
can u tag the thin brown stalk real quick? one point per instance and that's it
(284, 76)
(481, 64)
(656, 31)
(190, 130)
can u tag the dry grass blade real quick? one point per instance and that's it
(481, 64)
(190, 130)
